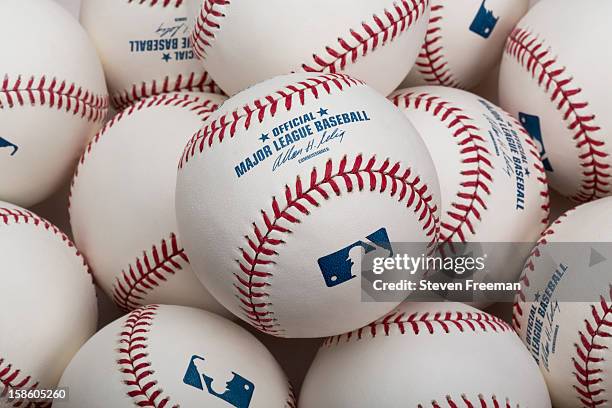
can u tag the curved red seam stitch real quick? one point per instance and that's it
(522, 45)
(589, 380)
(133, 359)
(132, 286)
(202, 108)
(405, 15)
(250, 293)
(477, 178)
(55, 94)
(529, 267)
(206, 24)
(10, 216)
(431, 63)
(163, 3)
(467, 403)
(260, 109)
(291, 402)
(432, 323)
(124, 98)
(9, 379)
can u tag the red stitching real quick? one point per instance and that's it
(193, 82)
(133, 360)
(163, 3)
(150, 271)
(291, 402)
(431, 62)
(465, 401)
(53, 93)
(262, 243)
(217, 128)
(207, 24)
(417, 323)
(534, 55)
(381, 30)
(529, 267)
(12, 378)
(201, 106)
(476, 184)
(9, 216)
(589, 378)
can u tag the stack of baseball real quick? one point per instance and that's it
(226, 165)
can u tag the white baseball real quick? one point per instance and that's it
(171, 356)
(52, 98)
(242, 43)
(464, 41)
(563, 314)
(555, 76)
(122, 203)
(48, 307)
(493, 185)
(145, 48)
(283, 187)
(426, 355)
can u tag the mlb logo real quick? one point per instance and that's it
(6, 143)
(238, 390)
(337, 267)
(484, 23)
(531, 124)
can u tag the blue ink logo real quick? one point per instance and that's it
(484, 23)
(6, 143)
(337, 268)
(531, 124)
(238, 391)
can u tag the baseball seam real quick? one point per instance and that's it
(475, 186)
(464, 401)
(10, 216)
(149, 271)
(207, 24)
(428, 323)
(533, 54)
(202, 107)
(12, 378)
(54, 93)
(133, 360)
(589, 378)
(217, 128)
(431, 62)
(380, 30)
(163, 3)
(192, 82)
(254, 274)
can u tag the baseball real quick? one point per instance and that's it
(145, 48)
(487, 165)
(362, 38)
(52, 98)
(464, 41)
(556, 78)
(426, 355)
(131, 239)
(563, 312)
(171, 356)
(310, 170)
(48, 306)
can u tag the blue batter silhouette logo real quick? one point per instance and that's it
(484, 23)
(337, 267)
(6, 143)
(238, 390)
(531, 124)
